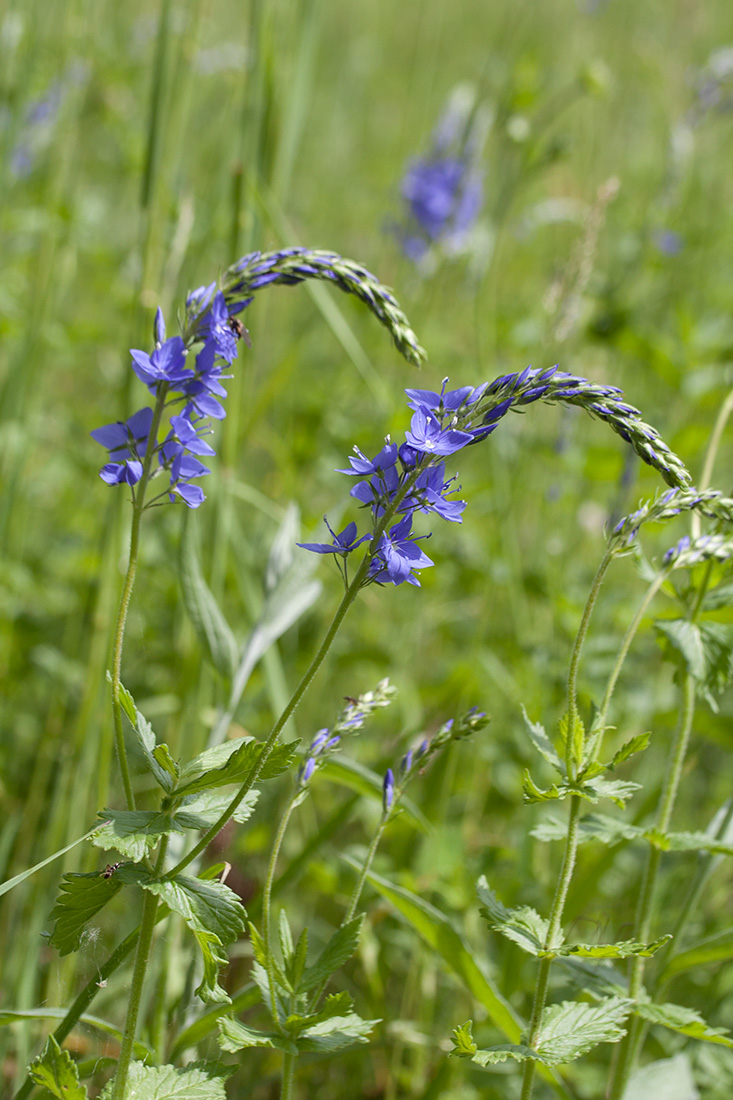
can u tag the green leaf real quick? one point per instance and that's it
(684, 1020)
(133, 832)
(234, 1036)
(440, 935)
(618, 790)
(533, 793)
(212, 629)
(337, 951)
(687, 842)
(463, 1041)
(704, 649)
(622, 950)
(214, 914)
(300, 958)
(232, 762)
(201, 810)
(168, 1083)
(81, 898)
(336, 1004)
(523, 925)
(578, 739)
(56, 1071)
(571, 1028)
(286, 939)
(609, 830)
(161, 764)
(336, 1033)
(721, 596)
(542, 743)
(636, 744)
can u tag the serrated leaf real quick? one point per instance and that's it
(234, 1036)
(687, 842)
(523, 925)
(542, 743)
(618, 790)
(209, 622)
(705, 649)
(609, 830)
(232, 762)
(630, 748)
(55, 1070)
(492, 1056)
(337, 951)
(684, 1020)
(336, 1033)
(336, 1004)
(577, 739)
(258, 944)
(299, 960)
(622, 950)
(168, 1083)
(81, 898)
(134, 832)
(463, 1040)
(213, 913)
(721, 596)
(201, 810)
(438, 932)
(570, 1029)
(160, 763)
(287, 946)
(600, 979)
(684, 644)
(532, 793)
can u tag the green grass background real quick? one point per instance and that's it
(190, 132)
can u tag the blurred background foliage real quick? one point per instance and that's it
(142, 149)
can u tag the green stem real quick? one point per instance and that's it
(119, 636)
(552, 939)
(575, 659)
(622, 655)
(267, 909)
(147, 927)
(645, 912)
(712, 452)
(347, 600)
(286, 1090)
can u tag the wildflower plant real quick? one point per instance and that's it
(158, 846)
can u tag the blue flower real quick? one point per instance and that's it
(167, 364)
(342, 544)
(398, 555)
(427, 435)
(387, 790)
(126, 442)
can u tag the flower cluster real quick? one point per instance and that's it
(443, 191)
(172, 382)
(402, 480)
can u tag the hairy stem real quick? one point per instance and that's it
(553, 938)
(267, 908)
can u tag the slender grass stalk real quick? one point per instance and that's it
(267, 905)
(629, 1046)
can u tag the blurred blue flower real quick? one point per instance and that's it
(443, 190)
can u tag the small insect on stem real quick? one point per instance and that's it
(239, 330)
(110, 870)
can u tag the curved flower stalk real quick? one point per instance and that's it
(402, 480)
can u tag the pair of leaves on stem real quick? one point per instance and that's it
(586, 778)
(192, 799)
(292, 990)
(212, 912)
(572, 1028)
